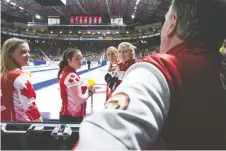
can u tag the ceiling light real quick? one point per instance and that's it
(38, 16)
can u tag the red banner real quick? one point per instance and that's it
(85, 19)
(90, 20)
(99, 20)
(95, 20)
(76, 19)
(80, 20)
(72, 20)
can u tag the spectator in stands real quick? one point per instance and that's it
(73, 94)
(178, 95)
(18, 96)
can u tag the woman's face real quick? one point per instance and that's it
(125, 54)
(112, 57)
(76, 61)
(21, 54)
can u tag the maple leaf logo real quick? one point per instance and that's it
(28, 91)
(77, 79)
(71, 80)
(33, 105)
(72, 76)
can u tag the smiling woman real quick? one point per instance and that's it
(18, 96)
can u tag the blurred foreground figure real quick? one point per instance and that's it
(177, 96)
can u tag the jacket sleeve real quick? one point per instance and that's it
(27, 96)
(72, 80)
(133, 115)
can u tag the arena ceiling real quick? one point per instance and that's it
(147, 11)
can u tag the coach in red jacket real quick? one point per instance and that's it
(178, 95)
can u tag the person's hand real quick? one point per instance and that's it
(91, 90)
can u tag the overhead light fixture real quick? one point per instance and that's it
(7, 1)
(98, 32)
(21, 8)
(12, 3)
(135, 8)
(38, 16)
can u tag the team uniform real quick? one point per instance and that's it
(119, 72)
(71, 110)
(18, 98)
(178, 98)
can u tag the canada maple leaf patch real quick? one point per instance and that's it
(72, 76)
(28, 91)
(71, 80)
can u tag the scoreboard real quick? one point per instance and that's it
(85, 19)
(53, 20)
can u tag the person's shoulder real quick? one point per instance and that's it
(71, 78)
(158, 57)
(14, 73)
(21, 80)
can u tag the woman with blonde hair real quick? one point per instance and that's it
(127, 58)
(18, 96)
(112, 55)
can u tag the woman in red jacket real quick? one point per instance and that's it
(73, 94)
(17, 95)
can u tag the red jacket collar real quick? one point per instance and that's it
(197, 46)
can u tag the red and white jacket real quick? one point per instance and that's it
(69, 78)
(18, 98)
